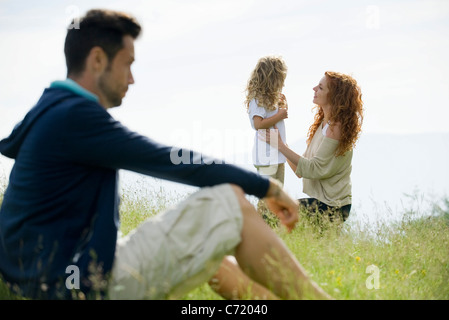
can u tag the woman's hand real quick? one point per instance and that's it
(271, 136)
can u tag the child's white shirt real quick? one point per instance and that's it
(262, 153)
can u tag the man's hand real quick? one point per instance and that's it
(281, 204)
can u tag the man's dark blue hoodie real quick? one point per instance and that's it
(61, 206)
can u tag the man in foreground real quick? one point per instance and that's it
(61, 208)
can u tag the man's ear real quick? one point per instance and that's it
(96, 61)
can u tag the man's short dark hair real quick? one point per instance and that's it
(103, 28)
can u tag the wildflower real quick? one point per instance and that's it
(338, 281)
(423, 272)
(396, 271)
(358, 259)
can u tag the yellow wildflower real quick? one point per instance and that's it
(338, 281)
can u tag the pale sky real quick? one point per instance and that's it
(194, 58)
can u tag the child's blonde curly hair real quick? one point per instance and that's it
(266, 82)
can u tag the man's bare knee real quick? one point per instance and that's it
(245, 205)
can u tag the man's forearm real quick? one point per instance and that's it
(274, 189)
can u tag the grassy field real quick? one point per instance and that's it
(404, 260)
(408, 260)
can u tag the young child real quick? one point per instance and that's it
(267, 108)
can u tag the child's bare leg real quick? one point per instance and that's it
(232, 283)
(264, 257)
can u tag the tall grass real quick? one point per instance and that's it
(404, 259)
(400, 260)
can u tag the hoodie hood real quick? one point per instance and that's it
(10, 146)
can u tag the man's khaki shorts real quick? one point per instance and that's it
(175, 251)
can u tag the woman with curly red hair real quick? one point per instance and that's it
(326, 165)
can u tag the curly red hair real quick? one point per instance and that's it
(345, 97)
